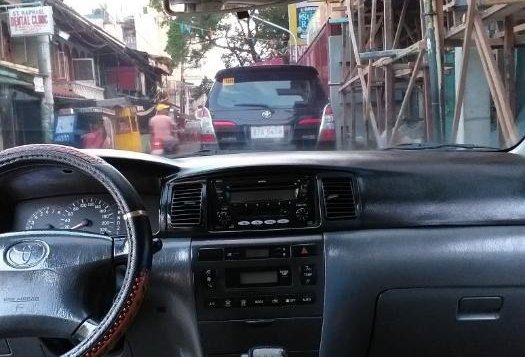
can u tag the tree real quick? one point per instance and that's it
(203, 88)
(243, 41)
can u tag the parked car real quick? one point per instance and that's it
(273, 107)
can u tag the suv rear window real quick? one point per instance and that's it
(274, 94)
(267, 89)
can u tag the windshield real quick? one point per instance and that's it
(304, 76)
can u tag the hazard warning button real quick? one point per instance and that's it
(304, 250)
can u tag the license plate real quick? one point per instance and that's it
(267, 132)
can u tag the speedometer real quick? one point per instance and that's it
(91, 214)
(45, 218)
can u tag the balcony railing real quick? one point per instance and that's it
(79, 89)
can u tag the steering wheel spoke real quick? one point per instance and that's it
(47, 276)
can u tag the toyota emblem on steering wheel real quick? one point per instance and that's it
(26, 254)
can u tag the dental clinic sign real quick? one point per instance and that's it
(31, 21)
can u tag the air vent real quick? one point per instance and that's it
(186, 205)
(339, 198)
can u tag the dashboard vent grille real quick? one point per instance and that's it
(186, 205)
(339, 198)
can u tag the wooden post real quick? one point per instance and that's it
(361, 33)
(373, 20)
(408, 94)
(388, 42)
(371, 115)
(371, 70)
(496, 85)
(463, 68)
(400, 23)
(509, 43)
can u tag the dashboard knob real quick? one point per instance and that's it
(301, 214)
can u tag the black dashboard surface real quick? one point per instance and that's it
(397, 188)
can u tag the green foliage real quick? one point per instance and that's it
(243, 41)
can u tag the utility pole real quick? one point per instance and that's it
(48, 103)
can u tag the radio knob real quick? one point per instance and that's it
(224, 217)
(301, 214)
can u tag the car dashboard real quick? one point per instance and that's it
(320, 253)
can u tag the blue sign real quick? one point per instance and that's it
(304, 15)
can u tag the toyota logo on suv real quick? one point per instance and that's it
(266, 114)
(26, 254)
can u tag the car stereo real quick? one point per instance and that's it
(263, 202)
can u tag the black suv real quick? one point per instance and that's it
(272, 107)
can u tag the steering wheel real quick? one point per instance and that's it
(52, 282)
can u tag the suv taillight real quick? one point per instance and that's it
(207, 131)
(223, 124)
(327, 128)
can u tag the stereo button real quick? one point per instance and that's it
(211, 303)
(283, 221)
(209, 277)
(304, 250)
(258, 301)
(228, 302)
(307, 299)
(275, 301)
(257, 223)
(242, 302)
(270, 222)
(289, 300)
(243, 223)
(280, 252)
(308, 275)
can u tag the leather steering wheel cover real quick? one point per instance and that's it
(131, 294)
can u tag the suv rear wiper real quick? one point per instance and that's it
(451, 147)
(259, 105)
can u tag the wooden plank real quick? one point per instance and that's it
(388, 43)
(353, 80)
(440, 26)
(490, 81)
(517, 29)
(408, 93)
(493, 12)
(373, 20)
(509, 43)
(371, 116)
(412, 49)
(371, 73)
(496, 86)
(361, 31)
(379, 24)
(469, 26)
(409, 32)
(374, 55)
(400, 23)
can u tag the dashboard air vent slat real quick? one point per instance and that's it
(186, 205)
(339, 198)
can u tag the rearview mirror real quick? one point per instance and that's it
(179, 7)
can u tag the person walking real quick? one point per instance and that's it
(163, 132)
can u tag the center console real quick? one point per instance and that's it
(259, 292)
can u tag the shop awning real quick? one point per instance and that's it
(15, 82)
